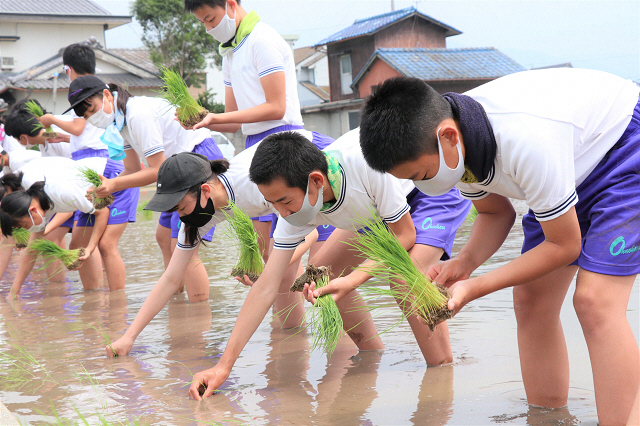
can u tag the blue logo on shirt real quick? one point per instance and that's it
(115, 212)
(621, 250)
(428, 224)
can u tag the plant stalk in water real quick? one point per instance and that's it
(92, 177)
(48, 248)
(35, 109)
(242, 231)
(176, 92)
(392, 263)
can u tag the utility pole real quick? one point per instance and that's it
(393, 5)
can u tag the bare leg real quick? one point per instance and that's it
(540, 338)
(196, 278)
(435, 345)
(289, 306)
(163, 238)
(91, 270)
(113, 264)
(356, 318)
(601, 304)
(634, 417)
(6, 250)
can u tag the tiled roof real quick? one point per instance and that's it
(138, 56)
(445, 64)
(303, 53)
(52, 7)
(317, 90)
(373, 24)
(124, 79)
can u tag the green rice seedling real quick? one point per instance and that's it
(91, 176)
(21, 237)
(35, 109)
(241, 230)
(393, 263)
(324, 319)
(175, 91)
(47, 248)
(84, 420)
(146, 214)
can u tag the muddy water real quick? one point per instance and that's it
(275, 381)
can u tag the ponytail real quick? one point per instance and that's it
(123, 96)
(10, 181)
(217, 168)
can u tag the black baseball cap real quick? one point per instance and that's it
(177, 174)
(83, 88)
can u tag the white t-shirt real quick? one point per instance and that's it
(9, 143)
(552, 128)
(58, 149)
(63, 184)
(259, 54)
(364, 191)
(240, 190)
(88, 139)
(151, 128)
(20, 157)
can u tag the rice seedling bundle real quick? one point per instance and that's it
(91, 176)
(35, 109)
(146, 214)
(175, 91)
(393, 263)
(241, 230)
(21, 237)
(47, 248)
(324, 319)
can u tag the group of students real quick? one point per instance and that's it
(564, 140)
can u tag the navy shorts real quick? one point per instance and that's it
(608, 210)
(123, 208)
(209, 149)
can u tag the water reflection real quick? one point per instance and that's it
(276, 380)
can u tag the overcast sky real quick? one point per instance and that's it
(603, 35)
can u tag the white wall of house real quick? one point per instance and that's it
(214, 82)
(307, 97)
(39, 41)
(321, 72)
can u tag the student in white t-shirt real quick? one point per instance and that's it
(568, 142)
(25, 127)
(53, 186)
(137, 126)
(9, 143)
(341, 190)
(261, 88)
(182, 179)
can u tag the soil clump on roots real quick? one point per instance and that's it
(311, 274)
(441, 314)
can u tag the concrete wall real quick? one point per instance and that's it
(331, 123)
(39, 41)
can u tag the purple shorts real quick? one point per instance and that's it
(89, 152)
(209, 149)
(123, 208)
(68, 223)
(319, 140)
(437, 219)
(608, 210)
(323, 230)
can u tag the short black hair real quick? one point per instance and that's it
(399, 120)
(81, 58)
(191, 5)
(286, 155)
(16, 205)
(20, 121)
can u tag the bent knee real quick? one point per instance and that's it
(590, 309)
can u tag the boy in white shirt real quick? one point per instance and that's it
(568, 142)
(340, 191)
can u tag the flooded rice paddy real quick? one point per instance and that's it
(53, 362)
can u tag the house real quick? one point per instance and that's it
(312, 72)
(403, 42)
(49, 84)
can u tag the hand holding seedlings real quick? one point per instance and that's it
(244, 235)
(34, 108)
(120, 347)
(449, 272)
(206, 382)
(91, 176)
(46, 120)
(72, 259)
(208, 121)
(245, 280)
(337, 288)
(176, 92)
(21, 237)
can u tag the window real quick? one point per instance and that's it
(354, 119)
(345, 74)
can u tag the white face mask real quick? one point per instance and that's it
(37, 228)
(307, 212)
(446, 178)
(226, 28)
(101, 119)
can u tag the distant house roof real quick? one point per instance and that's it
(321, 92)
(139, 70)
(444, 64)
(565, 65)
(374, 24)
(67, 10)
(302, 53)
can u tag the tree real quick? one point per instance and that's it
(175, 38)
